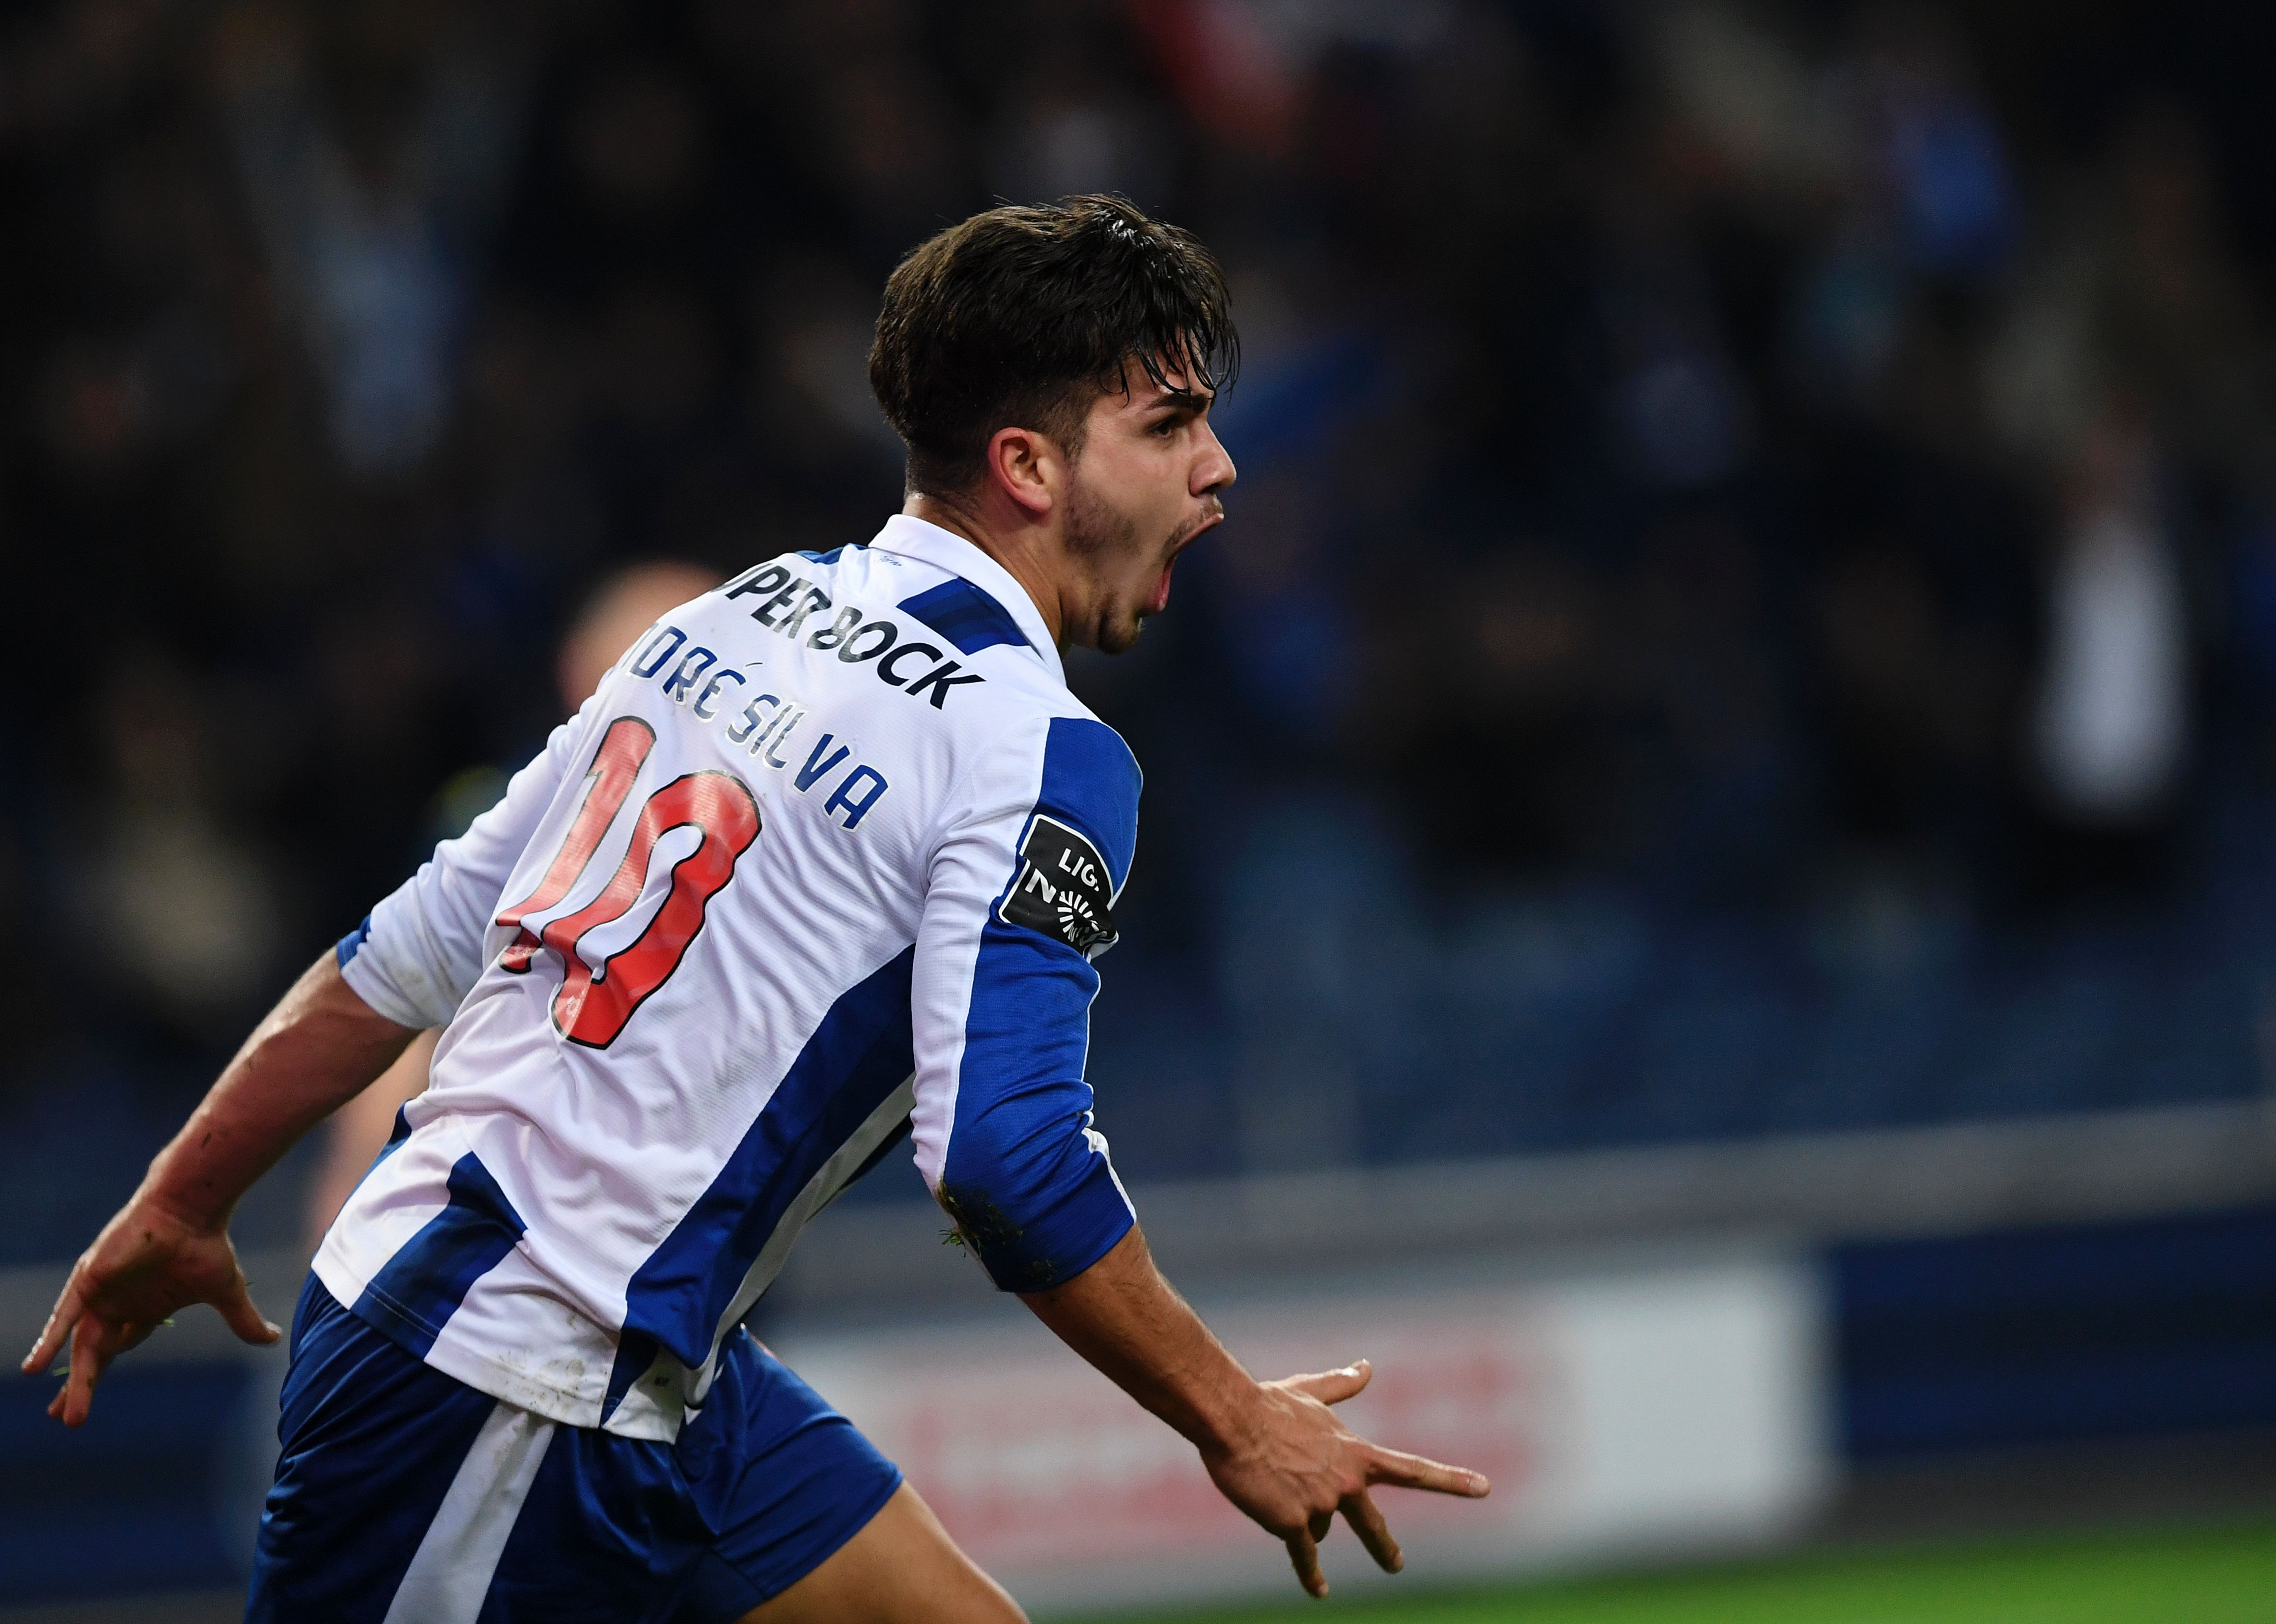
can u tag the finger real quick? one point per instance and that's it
(239, 1314)
(1332, 1387)
(86, 1365)
(57, 1331)
(1374, 1533)
(1412, 1471)
(1321, 1522)
(1304, 1552)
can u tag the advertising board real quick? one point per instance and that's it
(1676, 1408)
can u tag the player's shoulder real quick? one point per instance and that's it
(969, 668)
(1027, 741)
(933, 637)
(1089, 781)
(952, 647)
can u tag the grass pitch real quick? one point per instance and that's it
(2195, 1576)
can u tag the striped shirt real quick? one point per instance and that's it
(823, 864)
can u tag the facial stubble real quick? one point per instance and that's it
(1097, 532)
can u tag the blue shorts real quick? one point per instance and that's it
(406, 1497)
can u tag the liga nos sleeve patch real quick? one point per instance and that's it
(1063, 889)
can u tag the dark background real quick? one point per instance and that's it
(1751, 603)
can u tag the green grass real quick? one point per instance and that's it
(2198, 1576)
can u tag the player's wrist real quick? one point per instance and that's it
(182, 1197)
(1234, 1420)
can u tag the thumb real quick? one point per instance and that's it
(235, 1305)
(1333, 1386)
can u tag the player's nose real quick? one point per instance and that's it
(1213, 469)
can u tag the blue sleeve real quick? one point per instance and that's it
(1016, 1158)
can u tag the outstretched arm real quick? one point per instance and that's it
(411, 963)
(1020, 901)
(169, 1246)
(1274, 1448)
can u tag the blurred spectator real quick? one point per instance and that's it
(373, 137)
(185, 916)
(1496, 717)
(1704, 662)
(1934, 146)
(2111, 719)
(1917, 706)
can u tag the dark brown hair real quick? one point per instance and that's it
(1022, 316)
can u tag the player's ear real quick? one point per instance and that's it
(1026, 465)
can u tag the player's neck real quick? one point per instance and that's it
(1026, 551)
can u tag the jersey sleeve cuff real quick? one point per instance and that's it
(368, 979)
(352, 943)
(1053, 1247)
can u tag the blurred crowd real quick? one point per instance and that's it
(1794, 475)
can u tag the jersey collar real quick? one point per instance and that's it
(928, 543)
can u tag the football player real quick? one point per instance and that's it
(825, 862)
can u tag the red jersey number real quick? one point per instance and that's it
(592, 1005)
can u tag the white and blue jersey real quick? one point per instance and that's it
(825, 862)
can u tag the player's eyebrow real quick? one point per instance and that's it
(1181, 400)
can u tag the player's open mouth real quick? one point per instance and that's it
(1161, 598)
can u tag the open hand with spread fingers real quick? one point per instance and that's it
(1298, 1467)
(169, 1246)
(146, 1263)
(1274, 1448)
